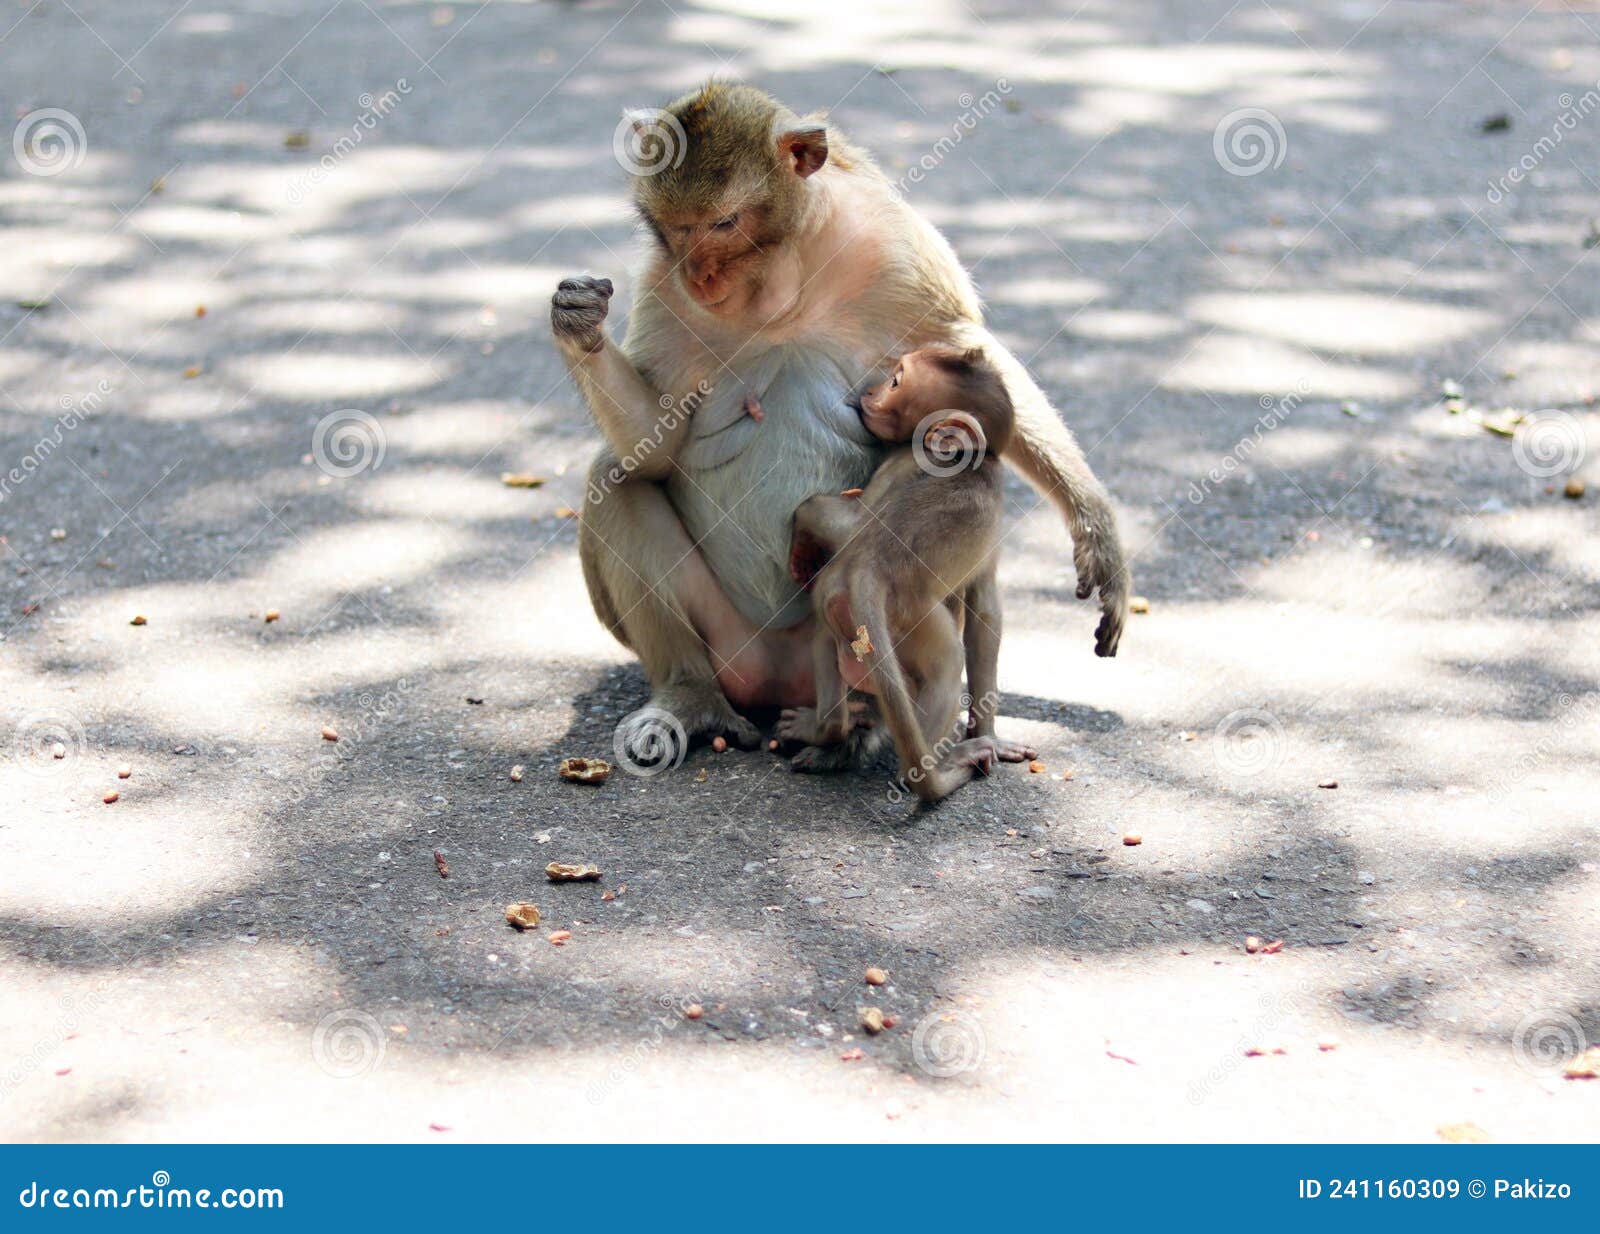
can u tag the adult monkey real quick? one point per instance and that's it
(784, 273)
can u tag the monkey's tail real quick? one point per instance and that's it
(918, 764)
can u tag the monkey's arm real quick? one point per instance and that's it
(823, 524)
(627, 408)
(1044, 450)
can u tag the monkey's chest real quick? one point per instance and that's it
(740, 477)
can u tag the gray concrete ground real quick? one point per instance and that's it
(1244, 245)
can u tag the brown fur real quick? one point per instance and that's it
(914, 551)
(833, 260)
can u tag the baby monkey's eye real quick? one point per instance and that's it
(725, 224)
(894, 382)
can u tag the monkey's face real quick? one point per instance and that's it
(726, 194)
(892, 409)
(719, 254)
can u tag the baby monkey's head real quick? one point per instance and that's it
(929, 392)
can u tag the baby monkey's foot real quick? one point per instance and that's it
(799, 724)
(1012, 751)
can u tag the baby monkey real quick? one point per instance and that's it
(911, 580)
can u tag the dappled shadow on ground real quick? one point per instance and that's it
(1350, 578)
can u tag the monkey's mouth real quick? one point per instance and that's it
(713, 306)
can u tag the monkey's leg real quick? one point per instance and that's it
(920, 766)
(981, 635)
(1045, 451)
(829, 722)
(838, 741)
(653, 590)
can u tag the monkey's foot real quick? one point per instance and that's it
(858, 749)
(977, 753)
(1012, 751)
(675, 717)
(798, 724)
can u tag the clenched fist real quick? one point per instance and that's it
(577, 311)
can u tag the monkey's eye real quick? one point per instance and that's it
(894, 383)
(725, 224)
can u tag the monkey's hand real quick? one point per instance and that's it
(577, 311)
(1098, 560)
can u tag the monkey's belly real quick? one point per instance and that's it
(740, 479)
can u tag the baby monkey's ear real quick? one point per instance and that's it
(974, 356)
(956, 436)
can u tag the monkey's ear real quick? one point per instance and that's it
(804, 150)
(958, 435)
(973, 356)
